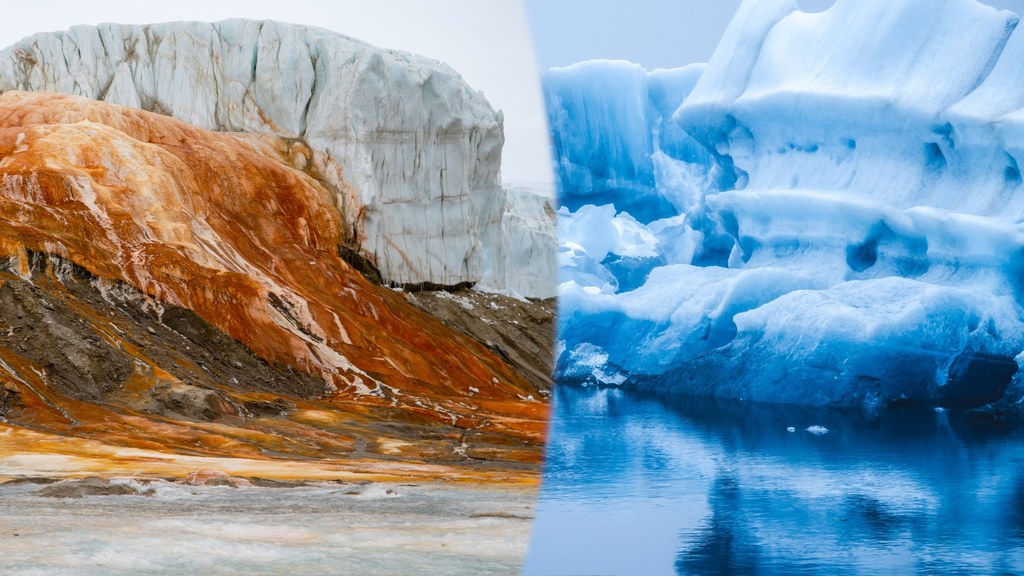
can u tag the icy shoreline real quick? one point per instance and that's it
(322, 528)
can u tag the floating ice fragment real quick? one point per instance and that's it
(817, 430)
(791, 429)
(610, 378)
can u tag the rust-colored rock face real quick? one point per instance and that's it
(228, 228)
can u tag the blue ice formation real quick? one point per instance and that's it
(613, 130)
(829, 212)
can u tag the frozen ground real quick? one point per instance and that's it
(374, 528)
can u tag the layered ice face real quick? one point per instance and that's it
(829, 212)
(612, 130)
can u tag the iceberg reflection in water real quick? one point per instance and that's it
(642, 485)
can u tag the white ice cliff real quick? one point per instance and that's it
(520, 250)
(851, 233)
(411, 152)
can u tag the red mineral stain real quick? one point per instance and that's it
(230, 230)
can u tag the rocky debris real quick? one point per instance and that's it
(55, 316)
(207, 477)
(91, 487)
(271, 483)
(203, 385)
(191, 402)
(41, 328)
(262, 408)
(521, 332)
(223, 356)
(360, 263)
(9, 398)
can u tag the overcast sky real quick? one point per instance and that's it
(488, 42)
(653, 33)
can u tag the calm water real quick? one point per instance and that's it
(646, 486)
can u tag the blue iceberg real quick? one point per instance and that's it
(827, 213)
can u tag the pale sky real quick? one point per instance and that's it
(652, 33)
(488, 42)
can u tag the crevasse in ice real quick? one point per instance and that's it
(829, 212)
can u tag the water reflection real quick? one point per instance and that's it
(723, 546)
(658, 486)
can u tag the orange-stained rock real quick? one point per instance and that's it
(227, 228)
(207, 477)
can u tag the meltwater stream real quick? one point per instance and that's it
(652, 486)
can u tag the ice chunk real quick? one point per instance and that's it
(590, 228)
(588, 364)
(599, 247)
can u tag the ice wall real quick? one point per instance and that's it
(412, 153)
(612, 133)
(519, 249)
(853, 228)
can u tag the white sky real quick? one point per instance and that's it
(488, 42)
(653, 33)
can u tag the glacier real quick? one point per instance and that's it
(411, 153)
(829, 212)
(519, 249)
